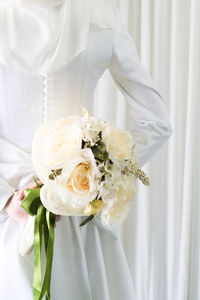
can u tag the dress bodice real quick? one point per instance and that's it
(28, 100)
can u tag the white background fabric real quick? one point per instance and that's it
(161, 236)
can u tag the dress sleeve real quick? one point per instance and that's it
(147, 116)
(16, 170)
(6, 191)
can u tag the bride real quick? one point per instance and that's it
(52, 55)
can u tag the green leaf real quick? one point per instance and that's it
(51, 176)
(100, 152)
(55, 173)
(58, 171)
(100, 136)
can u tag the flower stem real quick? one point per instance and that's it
(88, 219)
(38, 185)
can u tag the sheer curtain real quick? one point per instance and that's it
(161, 236)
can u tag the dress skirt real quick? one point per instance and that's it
(89, 263)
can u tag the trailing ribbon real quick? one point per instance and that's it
(44, 224)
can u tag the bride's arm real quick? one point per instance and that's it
(147, 115)
(16, 171)
(6, 191)
(16, 175)
(13, 205)
(10, 203)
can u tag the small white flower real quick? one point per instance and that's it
(91, 127)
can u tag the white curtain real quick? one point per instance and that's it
(161, 236)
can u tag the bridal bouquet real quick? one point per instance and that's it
(87, 167)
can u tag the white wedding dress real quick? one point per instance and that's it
(89, 262)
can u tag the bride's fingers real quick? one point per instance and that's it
(20, 195)
(31, 185)
(58, 217)
(34, 184)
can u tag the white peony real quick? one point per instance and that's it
(54, 143)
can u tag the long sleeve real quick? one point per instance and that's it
(6, 191)
(147, 115)
(16, 170)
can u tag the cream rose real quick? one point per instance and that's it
(118, 142)
(71, 191)
(54, 143)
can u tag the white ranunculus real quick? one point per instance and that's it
(71, 191)
(118, 142)
(55, 143)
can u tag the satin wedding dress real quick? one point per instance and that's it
(89, 261)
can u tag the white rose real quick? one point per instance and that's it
(54, 143)
(119, 142)
(71, 191)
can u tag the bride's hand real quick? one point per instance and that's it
(13, 208)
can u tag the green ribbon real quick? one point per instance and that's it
(44, 225)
